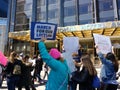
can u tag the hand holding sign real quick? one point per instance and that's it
(103, 43)
(38, 29)
(43, 38)
(97, 49)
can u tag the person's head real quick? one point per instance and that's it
(87, 63)
(110, 56)
(13, 56)
(55, 53)
(26, 58)
(35, 56)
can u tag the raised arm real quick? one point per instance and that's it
(50, 61)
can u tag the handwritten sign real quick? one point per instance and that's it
(103, 42)
(38, 29)
(71, 44)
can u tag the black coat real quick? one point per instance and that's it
(85, 79)
(26, 78)
(38, 66)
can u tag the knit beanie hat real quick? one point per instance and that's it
(55, 53)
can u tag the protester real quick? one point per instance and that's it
(26, 78)
(13, 71)
(76, 56)
(86, 73)
(108, 71)
(38, 68)
(2, 74)
(46, 68)
(58, 77)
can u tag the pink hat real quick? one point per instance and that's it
(55, 53)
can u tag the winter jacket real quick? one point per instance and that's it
(107, 71)
(58, 76)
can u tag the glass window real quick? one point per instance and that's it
(105, 5)
(67, 0)
(106, 19)
(85, 8)
(69, 23)
(28, 6)
(40, 2)
(20, 8)
(23, 14)
(52, 1)
(118, 2)
(69, 11)
(52, 14)
(86, 21)
(41, 16)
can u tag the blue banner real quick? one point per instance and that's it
(39, 29)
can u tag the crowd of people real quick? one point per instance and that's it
(21, 71)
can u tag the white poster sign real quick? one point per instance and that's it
(71, 45)
(103, 42)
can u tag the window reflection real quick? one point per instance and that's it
(86, 21)
(23, 14)
(106, 12)
(40, 2)
(105, 5)
(69, 23)
(85, 8)
(52, 1)
(52, 14)
(69, 11)
(106, 19)
(118, 4)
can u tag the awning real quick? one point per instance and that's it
(86, 31)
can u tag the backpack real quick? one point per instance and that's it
(17, 70)
(96, 82)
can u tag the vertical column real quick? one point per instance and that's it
(77, 11)
(34, 10)
(115, 10)
(11, 21)
(95, 11)
(61, 13)
(46, 11)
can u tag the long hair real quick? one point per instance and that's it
(87, 63)
(110, 56)
(13, 56)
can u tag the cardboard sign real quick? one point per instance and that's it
(40, 29)
(103, 43)
(71, 44)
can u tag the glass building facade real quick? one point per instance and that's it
(3, 8)
(61, 12)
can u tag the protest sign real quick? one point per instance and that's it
(71, 45)
(103, 43)
(40, 29)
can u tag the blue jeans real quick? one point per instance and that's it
(12, 82)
